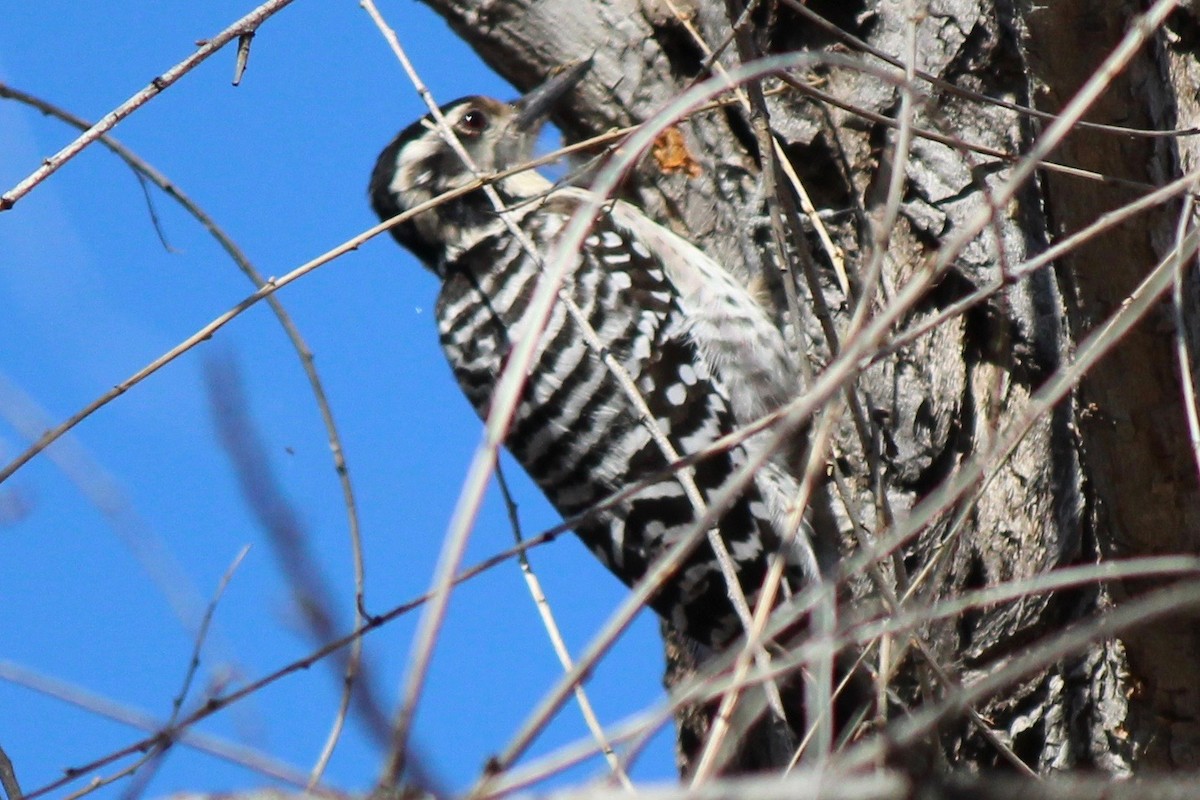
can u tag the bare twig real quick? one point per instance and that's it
(202, 634)
(1183, 336)
(216, 746)
(246, 24)
(8, 777)
(100, 781)
(555, 635)
(243, 56)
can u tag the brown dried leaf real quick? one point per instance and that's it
(671, 152)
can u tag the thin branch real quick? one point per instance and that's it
(218, 747)
(555, 635)
(1187, 378)
(243, 56)
(246, 24)
(202, 634)
(8, 778)
(99, 782)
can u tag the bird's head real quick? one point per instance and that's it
(420, 164)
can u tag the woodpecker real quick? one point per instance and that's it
(702, 352)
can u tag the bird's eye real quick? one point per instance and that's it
(474, 122)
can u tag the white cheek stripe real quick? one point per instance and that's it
(407, 160)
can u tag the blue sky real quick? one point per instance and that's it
(90, 295)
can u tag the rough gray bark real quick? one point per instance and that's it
(1109, 472)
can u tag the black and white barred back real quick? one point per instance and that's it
(702, 352)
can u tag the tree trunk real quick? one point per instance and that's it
(1107, 474)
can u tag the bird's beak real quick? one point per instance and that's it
(536, 105)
